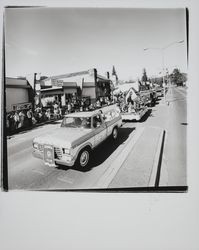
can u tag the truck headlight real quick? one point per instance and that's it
(66, 151)
(35, 145)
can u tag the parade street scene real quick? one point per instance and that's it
(95, 99)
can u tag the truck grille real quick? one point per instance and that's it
(58, 153)
(41, 148)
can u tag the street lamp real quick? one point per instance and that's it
(162, 49)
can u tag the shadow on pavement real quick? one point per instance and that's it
(146, 116)
(104, 150)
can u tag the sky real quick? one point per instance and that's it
(54, 41)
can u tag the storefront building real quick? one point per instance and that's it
(59, 94)
(84, 84)
(19, 94)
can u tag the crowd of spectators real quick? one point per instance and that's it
(22, 119)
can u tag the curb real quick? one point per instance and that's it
(114, 167)
(32, 127)
(157, 161)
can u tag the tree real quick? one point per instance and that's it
(177, 77)
(144, 76)
(114, 71)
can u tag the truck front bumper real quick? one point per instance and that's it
(66, 161)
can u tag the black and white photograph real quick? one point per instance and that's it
(96, 98)
(99, 125)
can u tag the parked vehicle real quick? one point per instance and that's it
(79, 134)
(159, 92)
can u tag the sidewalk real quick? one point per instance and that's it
(141, 165)
(137, 164)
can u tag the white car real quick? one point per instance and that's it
(79, 134)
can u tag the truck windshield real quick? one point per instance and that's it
(76, 122)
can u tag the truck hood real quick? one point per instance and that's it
(65, 137)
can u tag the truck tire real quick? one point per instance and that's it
(115, 133)
(83, 159)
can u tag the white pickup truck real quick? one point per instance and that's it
(79, 134)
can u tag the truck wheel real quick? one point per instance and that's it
(83, 159)
(115, 133)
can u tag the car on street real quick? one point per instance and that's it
(72, 143)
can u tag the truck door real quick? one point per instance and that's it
(100, 129)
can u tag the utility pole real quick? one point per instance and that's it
(34, 91)
(162, 54)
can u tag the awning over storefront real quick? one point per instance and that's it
(52, 91)
(69, 85)
(66, 88)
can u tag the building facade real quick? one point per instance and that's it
(19, 94)
(84, 84)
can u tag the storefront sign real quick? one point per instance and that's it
(57, 83)
(21, 106)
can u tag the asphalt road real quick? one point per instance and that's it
(174, 165)
(28, 173)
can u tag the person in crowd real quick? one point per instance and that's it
(69, 108)
(38, 114)
(21, 119)
(29, 116)
(43, 116)
(108, 102)
(34, 120)
(8, 122)
(59, 112)
(91, 107)
(98, 104)
(16, 120)
(66, 110)
(72, 107)
(55, 106)
(81, 108)
(48, 114)
(82, 105)
(115, 99)
(129, 99)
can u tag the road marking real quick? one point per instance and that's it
(66, 180)
(114, 167)
(38, 171)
